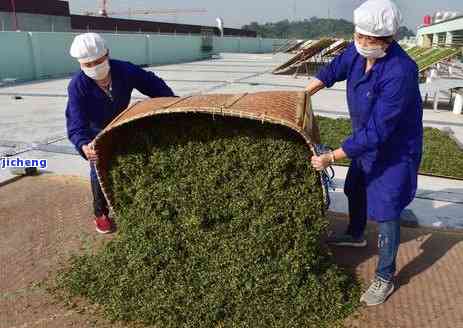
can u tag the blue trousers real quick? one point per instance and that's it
(389, 231)
(100, 206)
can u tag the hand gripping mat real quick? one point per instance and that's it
(287, 108)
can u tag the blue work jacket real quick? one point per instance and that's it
(386, 112)
(90, 109)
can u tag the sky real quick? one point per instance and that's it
(236, 13)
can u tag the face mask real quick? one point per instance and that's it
(98, 72)
(371, 53)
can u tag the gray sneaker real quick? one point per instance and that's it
(346, 240)
(378, 292)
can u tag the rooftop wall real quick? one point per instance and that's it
(40, 55)
(35, 22)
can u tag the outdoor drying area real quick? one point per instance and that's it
(425, 58)
(45, 218)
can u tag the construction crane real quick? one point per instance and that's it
(105, 13)
(103, 9)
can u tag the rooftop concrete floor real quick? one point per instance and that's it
(36, 123)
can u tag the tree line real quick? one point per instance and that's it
(312, 28)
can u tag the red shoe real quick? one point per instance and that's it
(103, 224)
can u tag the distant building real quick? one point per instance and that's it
(443, 29)
(30, 15)
(55, 16)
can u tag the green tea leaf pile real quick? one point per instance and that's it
(441, 154)
(219, 225)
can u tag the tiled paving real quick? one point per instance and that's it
(46, 218)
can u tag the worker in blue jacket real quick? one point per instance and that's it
(97, 93)
(386, 143)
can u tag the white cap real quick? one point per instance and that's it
(377, 18)
(88, 47)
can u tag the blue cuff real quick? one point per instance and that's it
(349, 148)
(79, 148)
(322, 77)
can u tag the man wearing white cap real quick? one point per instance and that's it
(386, 143)
(97, 93)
